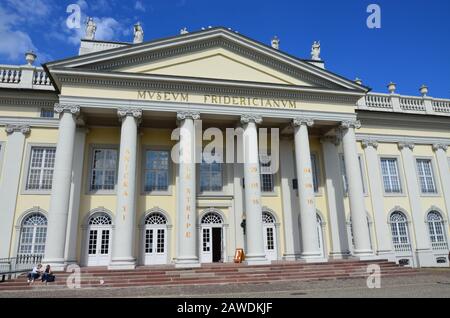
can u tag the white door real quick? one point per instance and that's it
(99, 246)
(206, 245)
(270, 246)
(155, 245)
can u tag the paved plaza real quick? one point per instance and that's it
(433, 283)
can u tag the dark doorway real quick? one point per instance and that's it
(217, 244)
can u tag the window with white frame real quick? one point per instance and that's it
(33, 234)
(156, 170)
(315, 172)
(40, 173)
(437, 231)
(104, 169)
(391, 176)
(267, 176)
(426, 177)
(344, 173)
(211, 176)
(399, 232)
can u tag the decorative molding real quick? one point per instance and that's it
(439, 146)
(403, 145)
(369, 143)
(299, 121)
(354, 124)
(335, 140)
(24, 129)
(73, 109)
(403, 139)
(205, 86)
(31, 121)
(188, 115)
(129, 111)
(245, 119)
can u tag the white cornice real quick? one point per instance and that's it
(402, 139)
(30, 121)
(104, 103)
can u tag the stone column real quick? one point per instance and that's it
(255, 253)
(75, 192)
(424, 254)
(306, 196)
(186, 193)
(444, 173)
(361, 235)
(383, 236)
(290, 203)
(62, 179)
(125, 223)
(335, 194)
(9, 183)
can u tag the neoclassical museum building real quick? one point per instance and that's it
(87, 176)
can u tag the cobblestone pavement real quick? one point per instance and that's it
(430, 283)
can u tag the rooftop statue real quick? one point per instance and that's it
(138, 33)
(91, 27)
(315, 51)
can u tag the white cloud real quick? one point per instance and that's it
(139, 6)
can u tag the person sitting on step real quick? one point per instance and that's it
(34, 274)
(47, 275)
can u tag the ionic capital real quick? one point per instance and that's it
(366, 143)
(406, 145)
(129, 111)
(437, 147)
(70, 108)
(299, 121)
(24, 129)
(354, 124)
(188, 115)
(245, 119)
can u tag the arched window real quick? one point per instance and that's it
(155, 219)
(436, 228)
(33, 234)
(211, 218)
(268, 218)
(399, 231)
(100, 219)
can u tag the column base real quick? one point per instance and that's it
(291, 257)
(187, 262)
(340, 255)
(257, 260)
(57, 265)
(425, 258)
(389, 255)
(122, 264)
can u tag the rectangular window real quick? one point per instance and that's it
(391, 177)
(104, 169)
(344, 173)
(156, 170)
(267, 177)
(426, 178)
(315, 172)
(47, 113)
(211, 176)
(42, 163)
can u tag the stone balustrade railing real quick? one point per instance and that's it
(26, 76)
(405, 104)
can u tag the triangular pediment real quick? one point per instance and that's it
(216, 54)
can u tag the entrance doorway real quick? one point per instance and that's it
(98, 247)
(211, 235)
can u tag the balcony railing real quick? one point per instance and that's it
(402, 247)
(405, 104)
(17, 265)
(439, 246)
(24, 77)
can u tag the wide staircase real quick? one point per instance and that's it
(216, 274)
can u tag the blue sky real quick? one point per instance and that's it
(411, 48)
